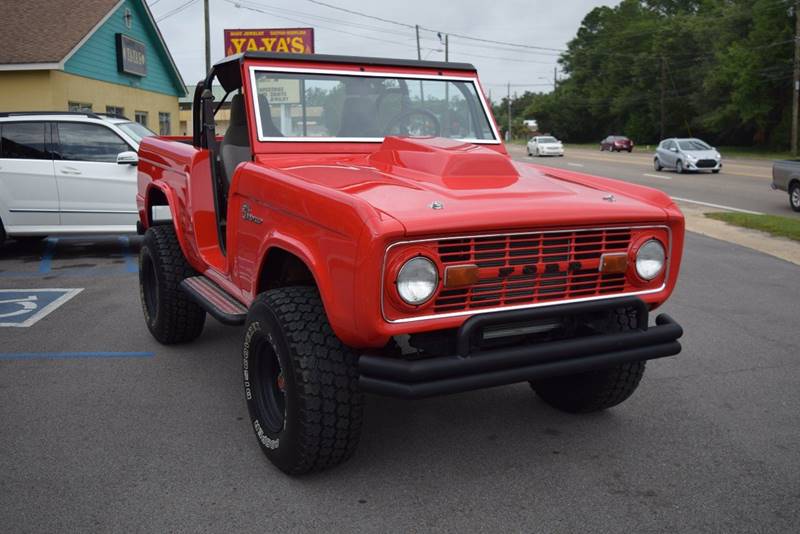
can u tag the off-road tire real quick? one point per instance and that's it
(170, 315)
(794, 196)
(595, 390)
(321, 401)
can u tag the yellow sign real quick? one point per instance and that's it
(280, 91)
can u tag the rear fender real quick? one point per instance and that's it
(145, 215)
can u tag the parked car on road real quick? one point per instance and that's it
(786, 177)
(687, 155)
(67, 173)
(545, 145)
(616, 143)
(488, 271)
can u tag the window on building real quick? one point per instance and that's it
(164, 125)
(23, 140)
(140, 117)
(80, 107)
(89, 142)
(115, 110)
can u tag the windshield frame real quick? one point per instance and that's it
(358, 74)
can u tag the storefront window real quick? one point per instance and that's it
(164, 125)
(141, 118)
(115, 110)
(80, 107)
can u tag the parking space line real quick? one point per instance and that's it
(10, 356)
(658, 176)
(47, 255)
(720, 206)
(131, 265)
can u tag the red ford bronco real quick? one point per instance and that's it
(361, 218)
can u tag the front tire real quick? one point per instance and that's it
(794, 196)
(170, 315)
(595, 390)
(657, 165)
(300, 382)
(679, 167)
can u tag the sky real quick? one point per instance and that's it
(548, 24)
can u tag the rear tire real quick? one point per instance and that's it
(170, 315)
(300, 382)
(595, 390)
(2, 233)
(794, 196)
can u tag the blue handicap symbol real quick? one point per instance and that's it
(24, 307)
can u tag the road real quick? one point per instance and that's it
(742, 184)
(104, 430)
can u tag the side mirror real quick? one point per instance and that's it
(673, 149)
(128, 158)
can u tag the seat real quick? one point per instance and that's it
(359, 111)
(235, 145)
(268, 128)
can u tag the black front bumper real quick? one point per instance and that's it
(467, 370)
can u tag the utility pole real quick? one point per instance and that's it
(508, 106)
(663, 88)
(796, 79)
(419, 53)
(208, 38)
(446, 47)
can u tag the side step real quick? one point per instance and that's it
(215, 300)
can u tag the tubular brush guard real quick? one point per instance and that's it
(467, 370)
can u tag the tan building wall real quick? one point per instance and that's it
(54, 90)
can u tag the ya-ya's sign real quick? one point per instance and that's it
(288, 40)
(131, 56)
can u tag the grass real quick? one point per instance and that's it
(772, 224)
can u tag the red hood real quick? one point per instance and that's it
(479, 188)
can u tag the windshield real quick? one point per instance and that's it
(331, 107)
(548, 140)
(693, 144)
(135, 131)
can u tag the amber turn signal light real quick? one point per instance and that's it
(616, 263)
(460, 275)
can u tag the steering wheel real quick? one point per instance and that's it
(402, 120)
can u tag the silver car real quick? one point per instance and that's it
(687, 155)
(545, 145)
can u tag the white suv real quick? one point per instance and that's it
(67, 173)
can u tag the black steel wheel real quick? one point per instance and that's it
(300, 382)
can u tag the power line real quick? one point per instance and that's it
(452, 34)
(176, 10)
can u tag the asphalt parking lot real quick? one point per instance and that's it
(104, 430)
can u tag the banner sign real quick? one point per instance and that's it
(288, 40)
(131, 56)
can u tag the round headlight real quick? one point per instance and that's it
(417, 280)
(650, 259)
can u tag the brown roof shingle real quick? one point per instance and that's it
(44, 31)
